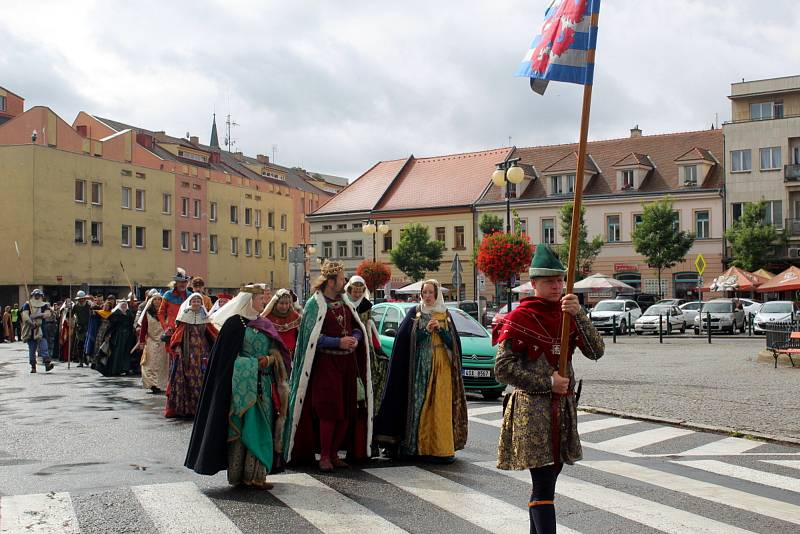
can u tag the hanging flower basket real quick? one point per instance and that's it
(374, 273)
(501, 255)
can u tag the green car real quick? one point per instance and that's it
(478, 354)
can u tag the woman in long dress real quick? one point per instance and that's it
(121, 339)
(8, 326)
(424, 408)
(155, 360)
(240, 419)
(189, 349)
(281, 313)
(100, 342)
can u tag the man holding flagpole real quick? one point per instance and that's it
(536, 340)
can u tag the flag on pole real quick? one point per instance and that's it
(563, 51)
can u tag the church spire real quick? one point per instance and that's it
(214, 139)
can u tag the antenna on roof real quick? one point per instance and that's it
(229, 123)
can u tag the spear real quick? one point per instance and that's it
(21, 270)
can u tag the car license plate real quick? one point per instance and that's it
(477, 373)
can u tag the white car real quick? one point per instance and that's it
(670, 317)
(609, 312)
(690, 310)
(750, 306)
(776, 311)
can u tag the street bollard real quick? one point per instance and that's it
(750, 324)
(708, 326)
(614, 327)
(660, 329)
(630, 330)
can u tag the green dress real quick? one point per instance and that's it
(252, 415)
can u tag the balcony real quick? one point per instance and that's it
(792, 227)
(791, 173)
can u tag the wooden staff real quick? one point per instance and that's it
(69, 337)
(130, 285)
(21, 270)
(576, 213)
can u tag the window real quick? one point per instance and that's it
(701, 225)
(140, 237)
(612, 228)
(80, 191)
(97, 193)
(570, 183)
(97, 233)
(766, 110)
(358, 248)
(327, 249)
(326, 227)
(166, 239)
(284, 251)
(737, 208)
(270, 219)
(523, 226)
(651, 286)
(741, 160)
(358, 226)
(770, 158)
(140, 175)
(125, 237)
(458, 238)
(248, 247)
(284, 221)
(248, 216)
(258, 218)
(192, 156)
(773, 213)
(258, 248)
(638, 218)
(391, 321)
(126, 198)
(440, 234)
(212, 212)
(555, 185)
(195, 242)
(690, 175)
(2, 103)
(271, 249)
(184, 206)
(341, 227)
(387, 241)
(197, 208)
(235, 214)
(511, 190)
(80, 231)
(166, 203)
(548, 231)
(185, 241)
(140, 199)
(213, 244)
(126, 172)
(234, 246)
(341, 249)
(627, 179)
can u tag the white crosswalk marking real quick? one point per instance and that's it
(703, 490)
(744, 473)
(327, 509)
(584, 427)
(471, 505)
(637, 440)
(724, 447)
(794, 464)
(42, 513)
(653, 514)
(483, 410)
(181, 507)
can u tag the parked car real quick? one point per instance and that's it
(776, 311)
(690, 310)
(725, 317)
(672, 302)
(502, 312)
(750, 306)
(478, 354)
(644, 300)
(476, 309)
(609, 312)
(671, 319)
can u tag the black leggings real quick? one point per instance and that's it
(541, 509)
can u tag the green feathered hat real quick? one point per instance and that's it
(545, 263)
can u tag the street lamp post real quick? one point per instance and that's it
(308, 249)
(373, 227)
(508, 172)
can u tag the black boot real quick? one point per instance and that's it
(33, 368)
(48, 366)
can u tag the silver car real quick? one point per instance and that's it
(724, 314)
(670, 317)
(690, 310)
(776, 311)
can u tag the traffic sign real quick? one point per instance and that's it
(700, 264)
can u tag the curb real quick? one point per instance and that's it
(757, 436)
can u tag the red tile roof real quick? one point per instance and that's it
(696, 153)
(634, 159)
(366, 190)
(570, 163)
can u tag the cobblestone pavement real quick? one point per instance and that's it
(721, 384)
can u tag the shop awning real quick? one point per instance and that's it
(788, 280)
(763, 273)
(735, 279)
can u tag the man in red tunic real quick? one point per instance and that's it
(172, 301)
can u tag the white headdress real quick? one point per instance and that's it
(122, 305)
(241, 304)
(439, 305)
(152, 294)
(186, 315)
(274, 301)
(357, 280)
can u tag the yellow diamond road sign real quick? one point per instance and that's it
(700, 264)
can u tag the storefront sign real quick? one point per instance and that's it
(622, 267)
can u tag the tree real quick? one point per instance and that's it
(374, 273)
(587, 250)
(752, 239)
(415, 253)
(490, 223)
(659, 239)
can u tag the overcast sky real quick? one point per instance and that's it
(339, 85)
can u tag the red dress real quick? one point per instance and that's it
(287, 328)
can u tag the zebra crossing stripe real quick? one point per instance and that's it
(744, 473)
(794, 464)
(656, 515)
(703, 490)
(483, 410)
(41, 513)
(471, 505)
(642, 439)
(325, 508)
(182, 507)
(723, 447)
(584, 427)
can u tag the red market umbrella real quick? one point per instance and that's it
(788, 280)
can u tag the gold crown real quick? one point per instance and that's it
(332, 268)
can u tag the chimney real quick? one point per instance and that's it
(262, 158)
(636, 132)
(239, 156)
(194, 140)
